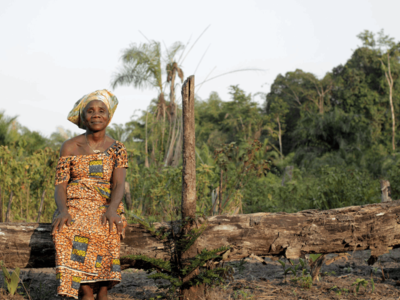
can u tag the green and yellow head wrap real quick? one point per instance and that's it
(75, 115)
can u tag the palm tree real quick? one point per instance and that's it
(142, 68)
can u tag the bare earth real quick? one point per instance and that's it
(253, 280)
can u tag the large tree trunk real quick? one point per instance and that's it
(189, 153)
(374, 226)
(188, 209)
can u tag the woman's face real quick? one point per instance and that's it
(96, 116)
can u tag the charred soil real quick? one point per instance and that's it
(253, 280)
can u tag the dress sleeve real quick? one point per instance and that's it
(62, 170)
(121, 156)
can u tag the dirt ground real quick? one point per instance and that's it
(253, 280)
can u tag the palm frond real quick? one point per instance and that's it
(230, 72)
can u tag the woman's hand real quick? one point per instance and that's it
(60, 220)
(113, 218)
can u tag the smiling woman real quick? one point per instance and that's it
(90, 182)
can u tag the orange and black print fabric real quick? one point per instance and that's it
(85, 251)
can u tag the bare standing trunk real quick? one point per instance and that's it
(188, 210)
(189, 153)
(389, 78)
(279, 136)
(9, 207)
(128, 198)
(41, 206)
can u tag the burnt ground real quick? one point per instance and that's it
(253, 280)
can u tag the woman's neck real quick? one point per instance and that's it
(96, 137)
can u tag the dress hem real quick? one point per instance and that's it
(91, 274)
(66, 294)
(100, 280)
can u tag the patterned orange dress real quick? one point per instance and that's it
(85, 251)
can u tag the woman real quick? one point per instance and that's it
(89, 183)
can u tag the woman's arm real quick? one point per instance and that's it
(118, 189)
(60, 194)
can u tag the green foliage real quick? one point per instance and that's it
(339, 291)
(301, 266)
(27, 177)
(11, 280)
(176, 269)
(362, 282)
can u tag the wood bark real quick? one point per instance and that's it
(375, 227)
(128, 197)
(189, 188)
(8, 213)
(41, 206)
(189, 153)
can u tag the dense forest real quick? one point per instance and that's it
(314, 143)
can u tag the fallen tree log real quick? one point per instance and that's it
(373, 226)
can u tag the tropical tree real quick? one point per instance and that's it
(142, 68)
(388, 50)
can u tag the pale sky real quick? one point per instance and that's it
(54, 52)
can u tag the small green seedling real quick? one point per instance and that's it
(339, 291)
(11, 280)
(285, 270)
(362, 282)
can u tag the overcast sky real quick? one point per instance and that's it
(54, 52)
